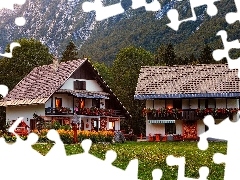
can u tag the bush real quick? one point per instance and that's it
(67, 136)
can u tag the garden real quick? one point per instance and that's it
(152, 155)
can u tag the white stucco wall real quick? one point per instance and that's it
(12, 113)
(149, 103)
(67, 101)
(154, 129)
(85, 119)
(178, 126)
(159, 104)
(185, 104)
(193, 103)
(91, 85)
(88, 103)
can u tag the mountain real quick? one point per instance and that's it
(56, 22)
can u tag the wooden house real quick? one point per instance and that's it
(57, 91)
(179, 97)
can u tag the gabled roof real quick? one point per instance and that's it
(38, 86)
(42, 82)
(187, 81)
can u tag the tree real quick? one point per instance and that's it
(70, 53)
(160, 55)
(32, 53)
(166, 55)
(206, 56)
(170, 56)
(104, 71)
(125, 71)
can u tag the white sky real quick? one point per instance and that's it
(8, 4)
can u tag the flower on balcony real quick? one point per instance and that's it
(216, 111)
(64, 109)
(161, 111)
(93, 111)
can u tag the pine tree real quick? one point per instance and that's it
(70, 53)
(206, 56)
(170, 56)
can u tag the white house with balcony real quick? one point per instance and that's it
(56, 92)
(178, 97)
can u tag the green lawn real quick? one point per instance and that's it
(152, 155)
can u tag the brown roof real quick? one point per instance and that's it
(41, 83)
(187, 79)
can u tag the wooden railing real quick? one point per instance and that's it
(84, 111)
(185, 114)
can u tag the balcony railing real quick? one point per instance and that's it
(83, 111)
(188, 114)
(58, 111)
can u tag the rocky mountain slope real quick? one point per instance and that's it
(55, 22)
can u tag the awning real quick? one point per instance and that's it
(161, 121)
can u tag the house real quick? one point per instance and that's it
(178, 97)
(60, 91)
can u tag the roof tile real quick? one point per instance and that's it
(204, 78)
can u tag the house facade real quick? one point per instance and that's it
(63, 92)
(179, 97)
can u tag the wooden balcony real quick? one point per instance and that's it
(84, 111)
(56, 111)
(185, 114)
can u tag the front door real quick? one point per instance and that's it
(190, 130)
(33, 124)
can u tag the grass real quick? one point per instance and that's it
(152, 155)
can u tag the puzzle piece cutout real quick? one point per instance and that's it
(219, 54)
(103, 169)
(3, 90)
(104, 12)
(152, 6)
(19, 21)
(157, 174)
(9, 4)
(173, 14)
(232, 158)
(232, 17)
(12, 46)
(180, 162)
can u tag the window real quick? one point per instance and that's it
(58, 102)
(96, 124)
(170, 128)
(111, 125)
(202, 103)
(211, 103)
(96, 103)
(177, 103)
(79, 85)
(81, 103)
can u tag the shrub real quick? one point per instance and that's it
(67, 136)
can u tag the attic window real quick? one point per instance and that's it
(79, 85)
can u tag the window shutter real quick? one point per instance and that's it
(79, 85)
(83, 85)
(75, 85)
